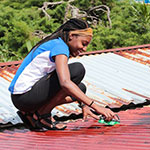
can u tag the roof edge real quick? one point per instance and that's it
(2, 64)
(10, 63)
(115, 49)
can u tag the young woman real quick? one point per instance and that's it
(45, 79)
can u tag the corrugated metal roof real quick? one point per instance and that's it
(116, 78)
(132, 134)
(139, 55)
(7, 110)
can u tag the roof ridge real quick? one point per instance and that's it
(115, 49)
(2, 64)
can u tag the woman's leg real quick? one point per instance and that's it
(47, 89)
(60, 98)
(47, 94)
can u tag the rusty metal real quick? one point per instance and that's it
(137, 55)
(115, 50)
(10, 63)
(148, 98)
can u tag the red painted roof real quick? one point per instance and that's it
(131, 134)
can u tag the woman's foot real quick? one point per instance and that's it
(47, 121)
(27, 119)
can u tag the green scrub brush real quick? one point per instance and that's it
(109, 123)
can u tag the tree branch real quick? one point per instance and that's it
(107, 11)
(77, 13)
(45, 7)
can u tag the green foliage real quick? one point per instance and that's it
(58, 13)
(19, 19)
(129, 27)
(8, 55)
(142, 17)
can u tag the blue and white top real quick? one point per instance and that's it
(37, 64)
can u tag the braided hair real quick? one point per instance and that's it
(63, 31)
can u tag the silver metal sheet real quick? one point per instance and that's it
(7, 109)
(112, 80)
(116, 75)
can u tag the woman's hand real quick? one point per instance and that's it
(109, 115)
(87, 112)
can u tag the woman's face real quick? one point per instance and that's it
(78, 44)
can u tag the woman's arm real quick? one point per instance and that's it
(72, 89)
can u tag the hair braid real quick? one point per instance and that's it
(63, 31)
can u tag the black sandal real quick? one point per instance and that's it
(45, 117)
(27, 122)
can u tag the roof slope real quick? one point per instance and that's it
(116, 78)
(131, 134)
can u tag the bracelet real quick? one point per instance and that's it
(91, 103)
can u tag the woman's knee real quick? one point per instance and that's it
(82, 87)
(77, 72)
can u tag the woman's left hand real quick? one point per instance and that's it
(87, 112)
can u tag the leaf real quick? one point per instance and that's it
(29, 45)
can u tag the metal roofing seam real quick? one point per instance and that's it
(134, 58)
(5, 75)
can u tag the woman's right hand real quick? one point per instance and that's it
(109, 115)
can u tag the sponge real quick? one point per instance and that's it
(109, 123)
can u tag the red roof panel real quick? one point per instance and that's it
(132, 134)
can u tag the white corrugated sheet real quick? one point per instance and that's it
(109, 77)
(7, 110)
